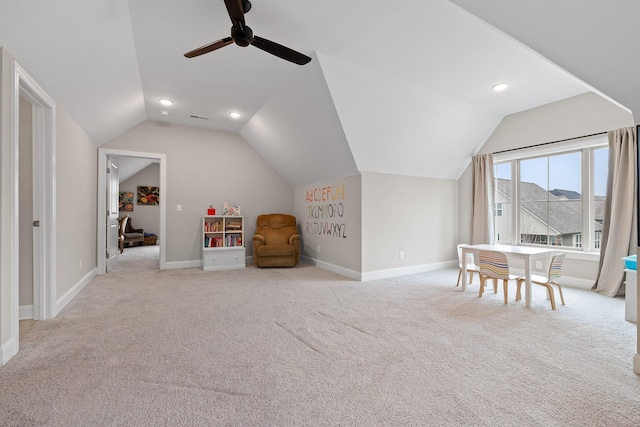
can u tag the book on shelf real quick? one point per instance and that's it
(212, 226)
(213, 242)
(233, 241)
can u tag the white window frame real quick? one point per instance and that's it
(586, 145)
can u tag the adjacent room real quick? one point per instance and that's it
(233, 212)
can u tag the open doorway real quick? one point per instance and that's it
(121, 156)
(39, 219)
(138, 188)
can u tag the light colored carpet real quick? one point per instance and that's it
(306, 347)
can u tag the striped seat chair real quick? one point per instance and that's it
(494, 266)
(554, 273)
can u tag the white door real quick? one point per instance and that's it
(113, 228)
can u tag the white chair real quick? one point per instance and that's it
(554, 273)
(471, 265)
(494, 266)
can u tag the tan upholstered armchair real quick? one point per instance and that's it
(276, 242)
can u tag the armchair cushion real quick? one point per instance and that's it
(276, 242)
(278, 250)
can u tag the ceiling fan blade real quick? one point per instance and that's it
(280, 51)
(236, 11)
(209, 47)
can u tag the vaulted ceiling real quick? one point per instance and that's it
(393, 87)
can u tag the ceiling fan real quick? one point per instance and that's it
(242, 35)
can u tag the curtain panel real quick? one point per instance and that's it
(619, 232)
(482, 220)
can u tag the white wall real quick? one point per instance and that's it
(76, 203)
(329, 217)
(573, 117)
(146, 217)
(206, 167)
(362, 223)
(417, 216)
(577, 116)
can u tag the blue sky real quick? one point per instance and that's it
(560, 171)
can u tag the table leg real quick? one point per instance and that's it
(464, 270)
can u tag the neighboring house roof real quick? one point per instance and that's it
(569, 194)
(559, 211)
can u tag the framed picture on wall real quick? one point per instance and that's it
(125, 203)
(148, 195)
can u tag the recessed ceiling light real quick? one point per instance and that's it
(500, 87)
(235, 115)
(165, 101)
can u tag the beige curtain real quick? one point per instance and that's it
(619, 233)
(483, 198)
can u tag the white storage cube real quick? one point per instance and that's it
(631, 296)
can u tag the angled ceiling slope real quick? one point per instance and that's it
(399, 128)
(298, 131)
(82, 54)
(596, 41)
(412, 110)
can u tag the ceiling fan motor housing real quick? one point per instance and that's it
(242, 36)
(246, 5)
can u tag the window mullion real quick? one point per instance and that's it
(515, 202)
(588, 217)
(548, 218)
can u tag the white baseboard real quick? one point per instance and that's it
(403, 271)
(382, 274)
(571, 282)
(25, 312)
(636, 364)
(7, 351)
(574, 282)
(176, 265)
(194, 263)
(74, 291)
(351, 274)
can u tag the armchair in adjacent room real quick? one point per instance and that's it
(276, 242)
(128, 234)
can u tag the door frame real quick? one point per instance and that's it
(103, 154)
(44, 208)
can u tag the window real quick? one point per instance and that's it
(550, 201)
(559, 195)
(502, 174)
